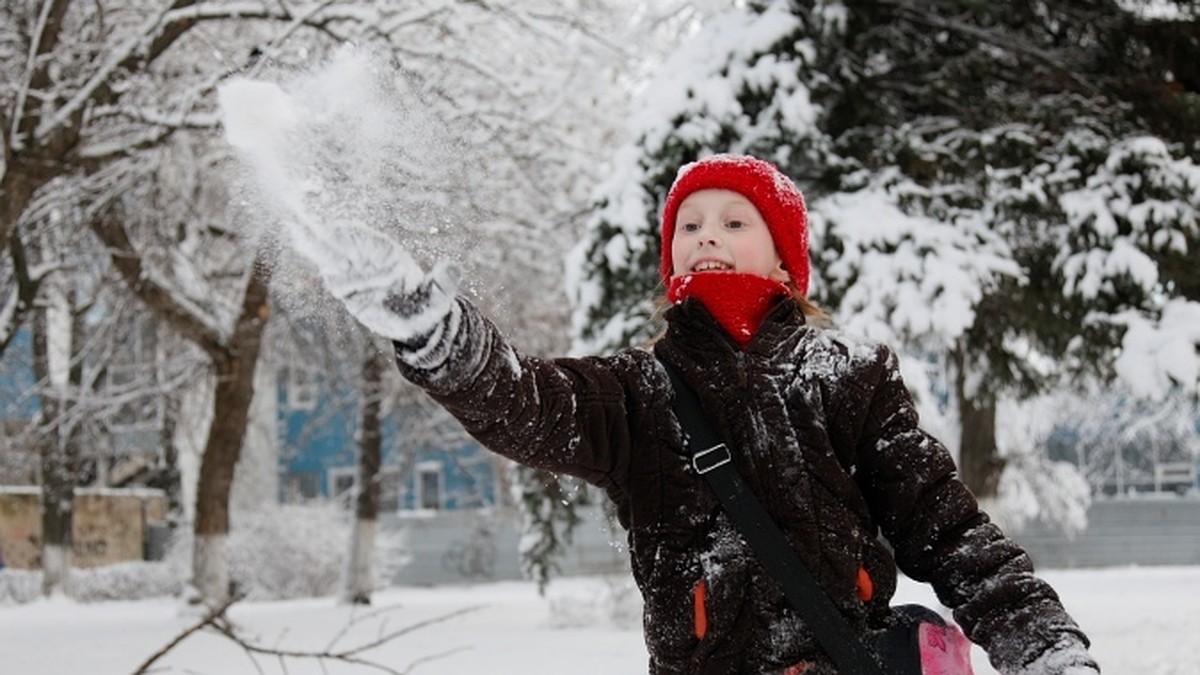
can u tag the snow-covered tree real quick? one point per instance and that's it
(1011, 187)
(56, 336)
(106, 110)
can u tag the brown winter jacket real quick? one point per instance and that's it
(823, 430)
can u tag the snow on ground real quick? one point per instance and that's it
(1141, 620)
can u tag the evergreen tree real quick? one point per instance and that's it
(549, 513)
(1011, 186)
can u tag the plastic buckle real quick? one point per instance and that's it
(707, 460)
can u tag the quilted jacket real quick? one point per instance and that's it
(824, 431)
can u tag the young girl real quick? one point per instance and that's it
(820, 426)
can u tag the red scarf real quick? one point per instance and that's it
(739, 302)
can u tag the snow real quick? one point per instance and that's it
(321, 148)
(1140, 620)
(1159, 355)
(344, 142)
(915, 274)
(677, 89)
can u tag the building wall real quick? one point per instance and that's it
(110, 525)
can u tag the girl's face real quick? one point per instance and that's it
(721, 231)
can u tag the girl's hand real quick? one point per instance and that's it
(378, 281)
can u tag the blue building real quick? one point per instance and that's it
(317, 416)
(445, 470)
(18, 408)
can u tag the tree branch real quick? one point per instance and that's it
(210, 619)
(130, 57)
(918, 15)
(217, 621)
(37, 76)
(12, 313)
(129, 264)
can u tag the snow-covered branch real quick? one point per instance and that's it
(43, 40)
(137, 47)
(1160, 354)
(178, 310)
(920, 14)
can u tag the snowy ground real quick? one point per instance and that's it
(1141, 620)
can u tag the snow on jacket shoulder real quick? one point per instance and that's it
(822, 429)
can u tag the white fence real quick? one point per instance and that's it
(1143, 530)
(464, 546)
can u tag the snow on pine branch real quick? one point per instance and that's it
(1139, 202)
(901, 275)
(1160, 354)
(1140, 199)
(726, 52)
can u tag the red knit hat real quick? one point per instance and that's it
(772, 193)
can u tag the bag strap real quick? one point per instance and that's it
(712, 460)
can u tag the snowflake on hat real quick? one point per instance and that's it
(739, 302)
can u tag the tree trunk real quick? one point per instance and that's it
(231, 409)
(234, 358)
(360, 577)
(52, 346)
(168, 478)
(979, 461)
(25, 290)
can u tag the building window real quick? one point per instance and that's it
(302, 487)
(301, 389)
(341, 484)
(131, 380)
(429, 485)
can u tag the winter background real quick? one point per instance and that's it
(330, 139)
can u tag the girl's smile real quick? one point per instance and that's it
(721, 231)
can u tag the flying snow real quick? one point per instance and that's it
(255, 115)
(344, 146)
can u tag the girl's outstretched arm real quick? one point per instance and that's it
(566, 415)
(940, 535)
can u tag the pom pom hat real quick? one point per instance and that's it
(772, 193)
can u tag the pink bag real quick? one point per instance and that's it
(944, 650)
(920, 642)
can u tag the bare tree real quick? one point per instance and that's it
(360, 577)
(106, 113)
(59, 443)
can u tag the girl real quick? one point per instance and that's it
(820, 426)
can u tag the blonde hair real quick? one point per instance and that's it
(813, 313)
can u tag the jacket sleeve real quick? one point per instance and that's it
(563, 415)
(940, 536)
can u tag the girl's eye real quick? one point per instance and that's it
(691, 227)
(735, 225)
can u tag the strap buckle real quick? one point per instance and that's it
(707, 460)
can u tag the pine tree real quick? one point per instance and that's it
(1011, 186)
(548, 506)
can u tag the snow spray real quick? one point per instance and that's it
(343, 142)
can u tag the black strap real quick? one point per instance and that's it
(711, 459)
